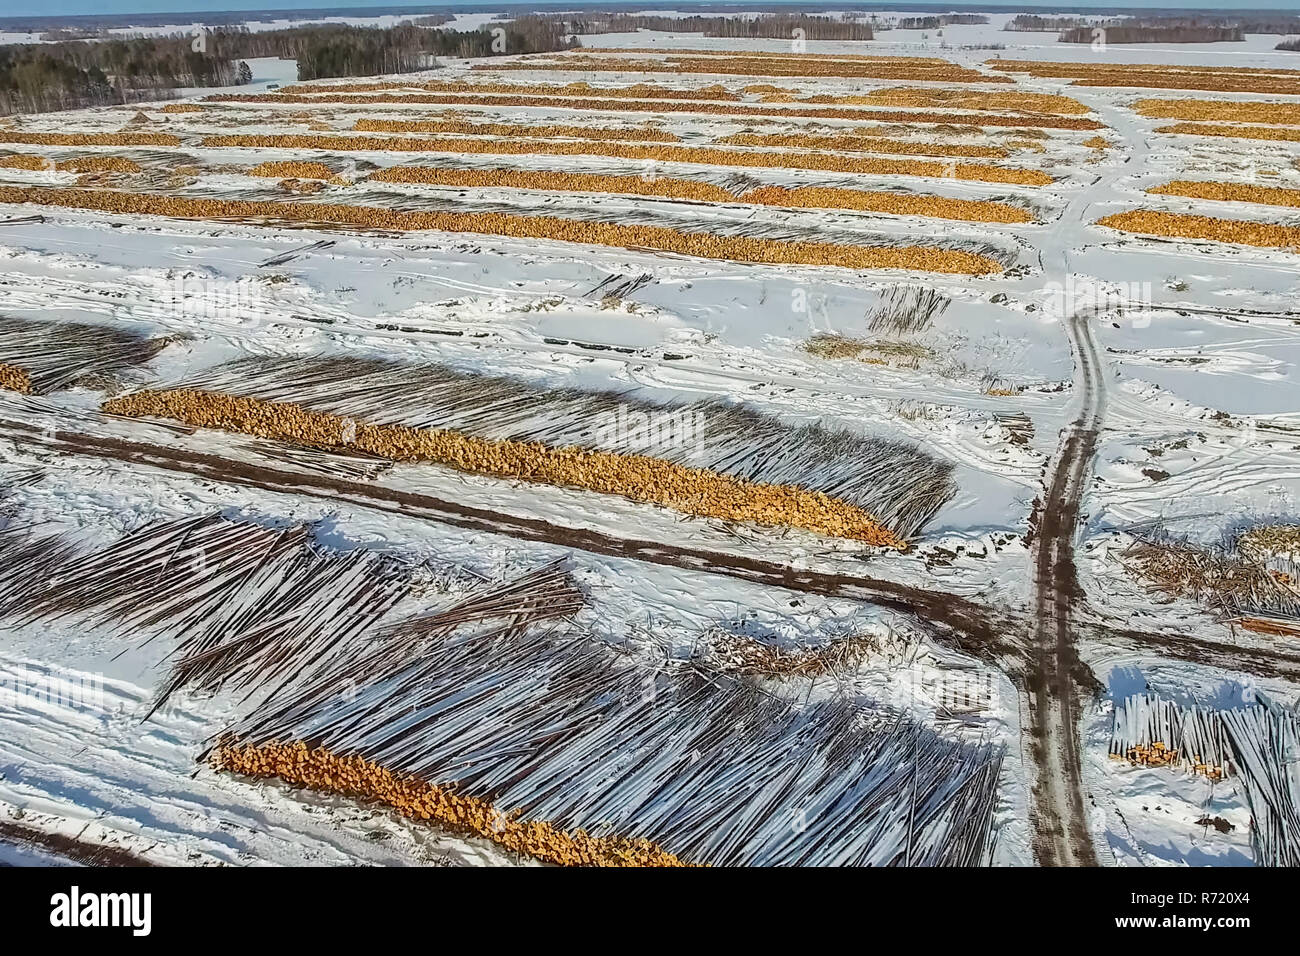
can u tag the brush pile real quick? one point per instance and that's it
(801, 197)
(854, 142)
(41, 357)
(1229, 583)
(1258, 744)
(829, 345)
(1276, 547)
(705, 155)
(709, 457)
(301, 187)
(89, 139)
(1039, 121)
(659, 238)
(1229, 192)
(740, 654)
(1152, 223)
(907, 310)
(463, 127)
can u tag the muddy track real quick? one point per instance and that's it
(965, 625)
(68, 848)
(983, 630)
(1057, 678)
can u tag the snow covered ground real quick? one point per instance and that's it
(1199, 345)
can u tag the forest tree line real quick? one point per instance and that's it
(1281, 24)
(769, 26)
(1159, 34)
(38, 78)
(936, 23)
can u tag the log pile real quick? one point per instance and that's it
(1153, 223)
(1160, 75)
(660, 238)
(1229, 192)
(1219, 111)
(637, 477)
(463, 127)
(28, 161)
(865, 144)
(958, 99)
(1279, 134)
(292, 169)
(350, 776)
(15, 379)
(89, 139)
(803, 197)
(669, 154)
(99, 164)
(1038, 121)
(637, 91)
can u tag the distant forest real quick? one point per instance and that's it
(1156, 34)
(1033, 23)
(55, 76)
(772, 26)
(937, 23)
(1229, 26)
(37, 78)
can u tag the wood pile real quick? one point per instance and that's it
(99, 164)
(637, 477)
(462, 127)
(867, 144)
(1221, 111)
(28, 161)
(669, 154)
(958, 99)
(350, 776)
(90, 139)
(1039, 121)
(1229, 192)
(1280, 134)
(660, 238)
(292, 169)
(803, 197)
(1153, 223)
(1160, 75)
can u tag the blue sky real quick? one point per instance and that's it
(28, 8)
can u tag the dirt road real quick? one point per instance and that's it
(1056, 676)
(989, 632)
